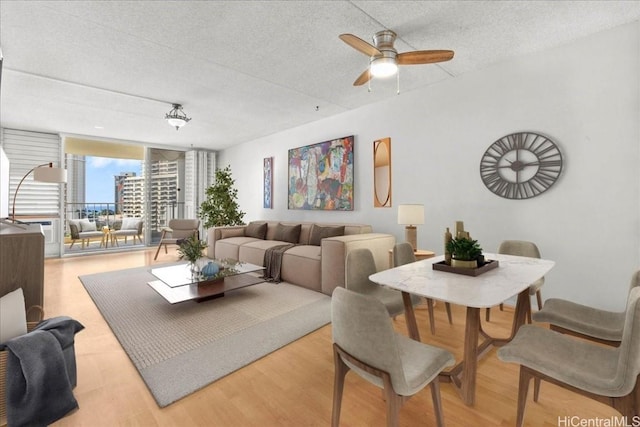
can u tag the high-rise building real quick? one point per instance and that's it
(119, 184)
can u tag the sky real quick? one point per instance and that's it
(99, 178)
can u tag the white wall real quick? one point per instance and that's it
(584, 95)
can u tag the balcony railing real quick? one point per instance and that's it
(109, 216)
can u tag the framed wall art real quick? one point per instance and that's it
(267, 193)
(321, 176)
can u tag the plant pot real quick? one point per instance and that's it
(464, 264)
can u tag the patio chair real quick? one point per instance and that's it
(178, 229)
(129, 227)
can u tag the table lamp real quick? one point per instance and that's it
(41, 173)
(411, 215)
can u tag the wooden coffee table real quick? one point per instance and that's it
(176, 283)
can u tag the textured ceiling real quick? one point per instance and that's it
(246, 69)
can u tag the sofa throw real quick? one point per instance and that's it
(41, 373)
(318, 233)
(273, 262)
(288, 233)
(256, 230)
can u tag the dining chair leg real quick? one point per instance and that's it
(432, 320)
(437, 402)
(536, 389)
(447, 306)
(394, 402)
(523, 390)
(487, 314)
(341, 370)
(539, 299)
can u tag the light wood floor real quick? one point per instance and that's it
(290, 387)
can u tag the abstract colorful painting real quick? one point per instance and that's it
(267, 194)
(321, 176)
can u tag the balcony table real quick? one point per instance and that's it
(512, 277)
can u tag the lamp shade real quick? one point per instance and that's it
(50, 174)
(411, 214)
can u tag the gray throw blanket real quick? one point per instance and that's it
(273, 262)
(41, 373)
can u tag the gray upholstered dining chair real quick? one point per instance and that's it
(364, 341)
(359, 265)
(526, 249)
(605, 374)
(403, 254)
(591, 323)
(178, 229)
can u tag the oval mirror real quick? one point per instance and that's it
(382, 173)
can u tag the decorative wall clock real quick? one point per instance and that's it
(521, 165)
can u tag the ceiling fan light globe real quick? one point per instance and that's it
(383, 67)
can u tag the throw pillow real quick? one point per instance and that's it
(256, 230)
(13, 318)
(226, 233)
(288, 233)
(86, 225)
(318, 233)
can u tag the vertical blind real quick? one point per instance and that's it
(26, 150)
(199, 173)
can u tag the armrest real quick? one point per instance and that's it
(334, 255)
(214, 234)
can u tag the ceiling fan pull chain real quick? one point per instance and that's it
(398, 83)
(369, 85)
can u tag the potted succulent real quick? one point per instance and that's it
(191, 250)
(464, 252)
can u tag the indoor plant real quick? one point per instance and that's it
(464, 252)
(191, 249)
(221, 207)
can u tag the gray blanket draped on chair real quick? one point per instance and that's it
(273, 262)
(41, 373)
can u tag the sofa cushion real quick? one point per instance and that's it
(229, 248)
(302, 265)
(86, 225)
(288, 233)
(318, 233)
(256, 229)
(253, 252)
(227, 233)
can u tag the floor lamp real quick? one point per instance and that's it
(41, 173)
(411, 215)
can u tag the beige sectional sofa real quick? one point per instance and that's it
(316, 262)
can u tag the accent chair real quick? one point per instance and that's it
(403, 254)
(527, 249)
(359, 265)
(178, 229)
(365, 341)
(605, 374)
(591, 323)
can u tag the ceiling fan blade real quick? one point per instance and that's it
(424, 57)
(360, 45)
(363, 78)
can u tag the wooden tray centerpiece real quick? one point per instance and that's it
(463, 250)
(487, 266)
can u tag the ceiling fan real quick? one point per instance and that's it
(385, 58)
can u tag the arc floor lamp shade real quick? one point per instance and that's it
(410, 216)
(45, 172)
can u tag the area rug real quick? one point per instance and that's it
(181, 348)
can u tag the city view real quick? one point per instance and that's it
(108, 190)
